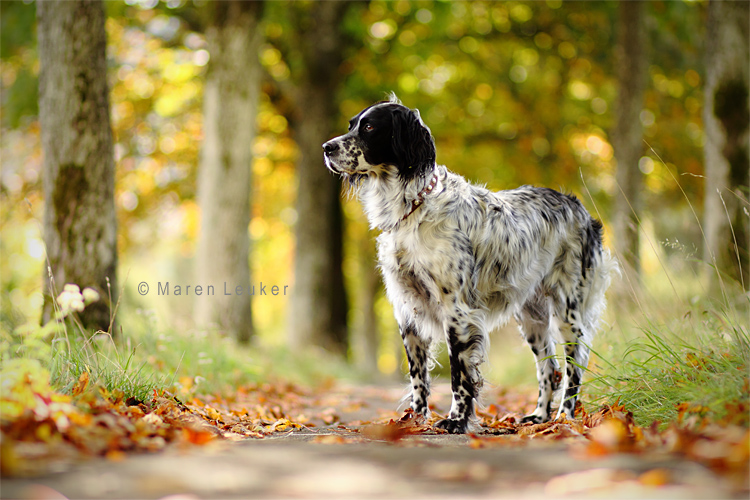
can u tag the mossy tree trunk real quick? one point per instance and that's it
(627, 136)
(230, 106)
(80, 225)
(318, 306)
(726, 116)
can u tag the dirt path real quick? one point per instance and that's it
(353, 458)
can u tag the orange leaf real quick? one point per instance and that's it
(212, 413)
(83, 382)
(595, 449)
(612, 434)
(682, 408)
(380, 432)
(115, 455)
(197, 437)
(533, 429)
(655, 477)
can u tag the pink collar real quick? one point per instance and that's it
(421, 195)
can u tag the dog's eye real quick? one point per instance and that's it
(368, 128)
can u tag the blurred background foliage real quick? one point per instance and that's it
(514, 93)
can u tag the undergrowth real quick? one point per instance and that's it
(684, 350)
(62, 351)
(145, 359)
(696, 367)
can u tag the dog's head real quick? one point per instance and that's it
(385, 134)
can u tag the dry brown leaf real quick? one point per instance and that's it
(196, 436)
(655, 477)
(82, 384)
(212, 413)
(384, 432)
(612, 435)
(533, 429)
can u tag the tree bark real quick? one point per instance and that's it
(318, 305)
(80, 224)
(365, 351)
(230, 105)
(726, 115)
(627, 136)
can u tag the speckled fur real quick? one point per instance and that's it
(468, 260)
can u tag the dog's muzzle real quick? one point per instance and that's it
(330, 149)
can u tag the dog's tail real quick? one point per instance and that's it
(598, 268)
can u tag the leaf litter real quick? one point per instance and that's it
(43, 430)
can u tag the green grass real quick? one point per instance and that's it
(210, 363)
(674, 365)
(118, 370)
(702, 366)
(63, 351)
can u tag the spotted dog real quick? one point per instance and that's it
(459, 260)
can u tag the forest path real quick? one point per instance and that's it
(353, 458)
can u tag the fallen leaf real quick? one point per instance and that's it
(153, 419)
(115, 456)
(384, 432)
(533, 429)
(83, 382)
(655, 477)
(612, 435)
(197, 437)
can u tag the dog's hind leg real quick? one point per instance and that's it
(577, 337)
(534, 323)
(418, 355)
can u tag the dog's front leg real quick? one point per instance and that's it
(466, 350)
(417, 353)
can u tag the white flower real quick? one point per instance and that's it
(77, 305)
(90, 295)
(70, 299)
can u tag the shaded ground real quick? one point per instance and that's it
(346, 442)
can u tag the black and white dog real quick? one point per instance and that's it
(459, 260)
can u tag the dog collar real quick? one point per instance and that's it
(421, 195)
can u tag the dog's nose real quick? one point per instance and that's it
(330, 147)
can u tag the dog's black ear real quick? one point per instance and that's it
(412, 143)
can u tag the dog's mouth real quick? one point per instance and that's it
(349, 177)
(332, 166)
(336, 164)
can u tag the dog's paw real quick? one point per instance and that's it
(533, 419)
(453, 425)
(420, 410)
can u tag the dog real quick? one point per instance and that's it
(459, 260)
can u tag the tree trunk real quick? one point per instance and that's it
(726, 115)
(368, 335)
(80, 225)
(318, 305)
(627, 136)
(230, 105)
